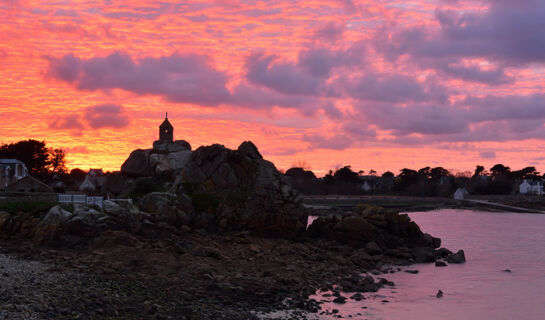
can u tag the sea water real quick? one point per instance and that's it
(480, 288)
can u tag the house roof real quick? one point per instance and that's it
(532, 182)
(32, 179)
(166, 124)
(97, 172)
(11, 161)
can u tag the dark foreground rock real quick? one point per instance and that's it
(458, 257)
(229, 238)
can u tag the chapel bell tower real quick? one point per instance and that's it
(166, 131)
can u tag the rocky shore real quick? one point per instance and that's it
(228, 240)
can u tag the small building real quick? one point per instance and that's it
(166, 131)
(531, 187)
(11, 170)
(460, 194)
(365, 186)
(94, 181)
(29, 184)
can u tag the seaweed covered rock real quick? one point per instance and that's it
(52, 224)
(377, 230)
(167, 207)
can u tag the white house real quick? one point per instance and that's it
(11, 170)
(94, 180)
(460, 194)
(365, 186)
(531, 187)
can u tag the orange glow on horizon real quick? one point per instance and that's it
(35, 104)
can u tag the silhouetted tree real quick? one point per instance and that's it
(300, 173)
(499, 170)
(479, 171)
(77, 174)
(438, 172)
(57, 161)
(388, 174)
(347, 175)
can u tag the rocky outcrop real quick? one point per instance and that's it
(137, 164)
(51, 224)
(458, 257)
(167, 207)
(377, 231)
(239, 190)
(165, 158)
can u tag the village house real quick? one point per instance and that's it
(11, 170)
(531, 187)
(28, 184)
(460, 194)
(94, 180)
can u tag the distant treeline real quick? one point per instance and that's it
(425, 182)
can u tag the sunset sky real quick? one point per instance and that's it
(374, 84)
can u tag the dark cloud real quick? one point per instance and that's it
(331, 31)
(106, 116)
(319, 61)
(473, 73)
(395, 88)
(335, 142)
(284, 77)
(508, 33)
(177, 78)
(70, 122)
(487, 154)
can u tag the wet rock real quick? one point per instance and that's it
(361, 258)
(458, 257)
(358, 297)
(424, 254)
(411, 271)
(507, 270)
(442, 252)
(440, 264)
(339, 300)
(111, 238)
(50, 227)
(439, 294)
(4, 217)
(372, 248)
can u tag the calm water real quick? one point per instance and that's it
(478, 289)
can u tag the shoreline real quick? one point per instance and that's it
(526, 204)
(221, 277)
(165, 272)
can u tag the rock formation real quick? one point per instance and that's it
(164, 158)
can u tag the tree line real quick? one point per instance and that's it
(427, 181)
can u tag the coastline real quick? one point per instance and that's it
(169, 273)
(413, 204)
(204, 276)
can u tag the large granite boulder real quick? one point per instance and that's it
(52, 224)
(176, 210)
(164, 159)
(376, 230)
(168, 147)
(164, 163)
(240, 190)
(137, 164)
